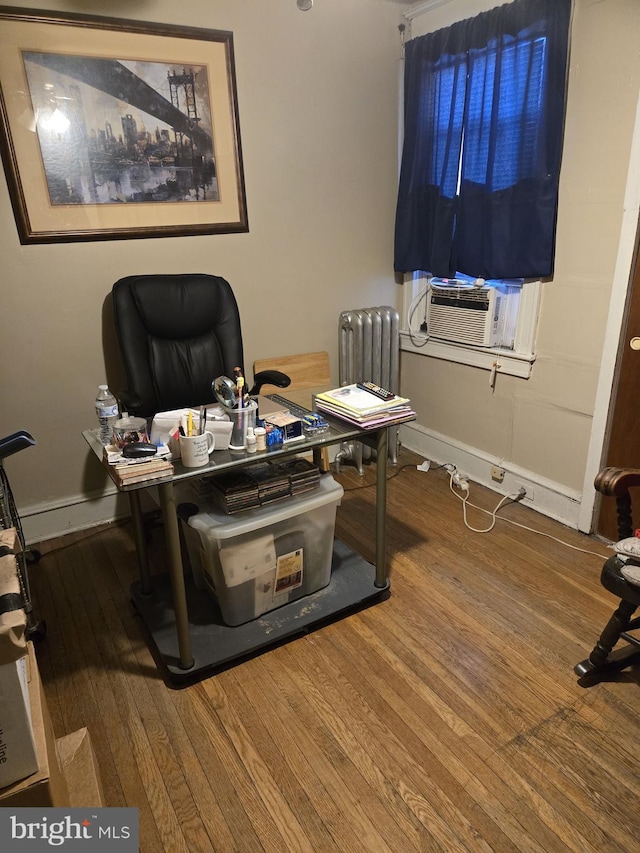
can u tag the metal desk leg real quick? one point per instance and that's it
(141, 542)
(169, 515)
(381, 507)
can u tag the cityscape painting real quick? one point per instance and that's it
(131, 131)
(113, 131)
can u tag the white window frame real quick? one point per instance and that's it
(514, 362)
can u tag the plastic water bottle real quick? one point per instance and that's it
(107, 412)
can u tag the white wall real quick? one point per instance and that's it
(541, 428)
(317, 94)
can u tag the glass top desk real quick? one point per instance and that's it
(185, 625)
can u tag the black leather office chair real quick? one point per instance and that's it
(608, 654)
(177, 333)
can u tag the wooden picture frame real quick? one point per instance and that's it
(117, 129)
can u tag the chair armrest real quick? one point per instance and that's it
(615, 482)
(269, 377)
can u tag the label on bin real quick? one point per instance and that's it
(289, 571)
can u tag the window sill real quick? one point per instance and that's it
(510, 363)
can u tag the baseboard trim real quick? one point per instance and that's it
(549, 498)
(47, 520)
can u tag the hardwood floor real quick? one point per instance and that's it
(445, 718)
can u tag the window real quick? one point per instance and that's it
(519, 112)
(484, 114)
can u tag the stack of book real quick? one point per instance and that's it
(139, 471)
(364, 409)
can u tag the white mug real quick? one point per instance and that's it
(196, 449)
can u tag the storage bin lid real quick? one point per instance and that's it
(222, 526)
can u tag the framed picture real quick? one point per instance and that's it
(114, 129)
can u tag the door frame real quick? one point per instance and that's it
(622, 281)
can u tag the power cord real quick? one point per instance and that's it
(371, 485)
(457, 481)
(460, 482)
(423, 294)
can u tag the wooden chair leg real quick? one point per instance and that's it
(321, 458)
(601, 658)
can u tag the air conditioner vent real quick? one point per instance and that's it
(477, 316)
(475, 298)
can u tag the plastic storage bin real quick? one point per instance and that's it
(258, 560)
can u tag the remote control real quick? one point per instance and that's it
(372, 388)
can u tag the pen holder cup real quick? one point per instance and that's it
(241, 419)
(196, 449)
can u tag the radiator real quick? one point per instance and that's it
(370, 351)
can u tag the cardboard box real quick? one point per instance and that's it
(80, 769)
(18, 755)
(47, 785)
(13, 620)
(288, 424)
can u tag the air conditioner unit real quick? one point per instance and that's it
(483, 316)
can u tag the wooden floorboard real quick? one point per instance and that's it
(446, 717)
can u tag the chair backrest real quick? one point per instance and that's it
(306, 370)
(177, 333)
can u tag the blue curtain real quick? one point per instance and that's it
(484, 118)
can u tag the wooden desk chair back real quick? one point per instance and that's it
(306, 370)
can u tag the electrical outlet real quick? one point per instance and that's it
(528, 491)
(497, 473)
(461, 481)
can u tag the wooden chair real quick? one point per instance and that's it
(306, 370)
(605, 657)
